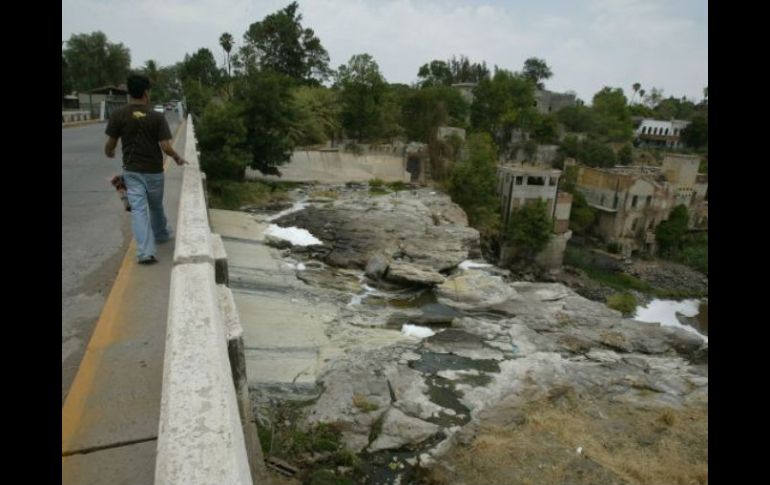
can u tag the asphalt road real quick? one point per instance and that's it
(96, 232)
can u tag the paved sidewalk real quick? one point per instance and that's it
(110, 417)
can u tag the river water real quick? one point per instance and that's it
(692, 315)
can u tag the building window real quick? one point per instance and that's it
(633, 201)
(552, 181)
(649, 200)
(601, 202)
(644, 130)
(633, 224)
(519, 180)
(666, 132)
(535, 181)
(615, 202)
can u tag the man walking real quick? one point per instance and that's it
(143, 134)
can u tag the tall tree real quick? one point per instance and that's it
(200, 67)
(613, 119)
(655, 96)
(530, 228)
(502, 103)
(696, 134)
(226, 41)
(317, 115)
(473, 181)
(446, 73)
(435, 73)
(670, 233)
(66, 82)
(536, 70)
(264, 98)
(151, 70)
(279, 42)
(362, 89)
(636, 87)
(93, 61)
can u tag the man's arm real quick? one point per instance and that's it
(165, 145)
(109, 147)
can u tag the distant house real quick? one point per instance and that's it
(660, 133)
(112, 96)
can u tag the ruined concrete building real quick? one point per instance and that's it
(632, 201)
(551, 102)
(520, 185)
(659, 133)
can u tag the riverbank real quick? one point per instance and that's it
(419, 355)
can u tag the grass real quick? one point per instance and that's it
(360, 401)
(622, 302)
(318, 450)
(622, 282)
(626, 444)
(579, 258)
(231, 195)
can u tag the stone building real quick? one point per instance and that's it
(519, 185)
(659, 133)
(633, 201)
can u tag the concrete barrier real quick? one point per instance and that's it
(74, 116)
(206, 434)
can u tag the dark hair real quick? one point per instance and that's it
(137, 85)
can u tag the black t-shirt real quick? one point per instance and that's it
(139, 129)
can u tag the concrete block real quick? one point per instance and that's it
(282, 368)
(237, 225)
(235, 351)
(200, 437)
(272, 322)
(193, 240)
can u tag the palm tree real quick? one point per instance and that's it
(641, 93)
(636, 87)
(151, 69)
(226, 41)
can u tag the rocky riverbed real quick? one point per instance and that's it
(442, 369)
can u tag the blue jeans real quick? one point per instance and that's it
(148, 221)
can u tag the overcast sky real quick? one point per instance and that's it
(587, 43)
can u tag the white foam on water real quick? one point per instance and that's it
(416, 331)
(664, 312)
(298, 206)
(468, 264)
(295, 235)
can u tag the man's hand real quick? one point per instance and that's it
(109, 147)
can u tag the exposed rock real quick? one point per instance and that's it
(474, 289)
(413, 274)
(398, 430)
(423, 227)
(377, 266)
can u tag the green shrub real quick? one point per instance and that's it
(623, 302)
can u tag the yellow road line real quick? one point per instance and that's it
(104, 335)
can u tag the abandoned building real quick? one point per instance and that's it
(659, 133)
(633, 201)
(113, 97)
(551, 102)
(518, 186)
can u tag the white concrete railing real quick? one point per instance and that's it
(72, 116)
(200, 435)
